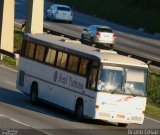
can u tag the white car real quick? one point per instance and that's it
(60, 12)
(98, 34)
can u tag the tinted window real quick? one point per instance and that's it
(40, 53)
(73, 63)
(63, 8)
(104, 30)
(51, 55)
(92, 79)
(62, 59)
(83, 66)
(29, 51)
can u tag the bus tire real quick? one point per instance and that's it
(122, 124)
(34, 94)
(79, 110)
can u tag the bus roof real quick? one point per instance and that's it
(109, 57)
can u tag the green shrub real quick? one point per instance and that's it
(154, 88)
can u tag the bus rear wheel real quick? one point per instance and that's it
(34, 94)
(79, 111)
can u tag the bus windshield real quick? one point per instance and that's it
(110, 79)
(122, 80)
(135, 82)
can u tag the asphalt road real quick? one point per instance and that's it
(128, 40)
(16, 112)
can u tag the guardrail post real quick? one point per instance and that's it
(17, 59)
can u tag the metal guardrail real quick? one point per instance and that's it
(130, 54)
(47, 30)
(4, 52)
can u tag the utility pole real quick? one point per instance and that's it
(35, 14)
(7, 24)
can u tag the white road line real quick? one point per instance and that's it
(20, 122)
(8, 68)
(1, 115)
(10, 83)
(152, 119)
(47, 24)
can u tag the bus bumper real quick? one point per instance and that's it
(120, 118)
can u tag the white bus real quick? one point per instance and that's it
(91, 83)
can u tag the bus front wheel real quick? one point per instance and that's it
(34, 94)
(79, 111)
(122, 124)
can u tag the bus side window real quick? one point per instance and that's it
(51, 56)
(83, 66)
(73, 63)
(29, 51)
(62, 60)
(40, 50)
(92, 78)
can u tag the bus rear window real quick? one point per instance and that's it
(104, 30)
(63, 8)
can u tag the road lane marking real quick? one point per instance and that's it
(20, 122)
(1, 115)
(47, 24)
(8, 68)
(10, 83)
(152, 119)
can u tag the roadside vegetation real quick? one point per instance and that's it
(17, 46)
(153, 101)
(132, 13)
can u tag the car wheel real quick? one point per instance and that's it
(111, 46)
(47, 17)
(79, 111)
(92, 43)
(82, 38)
(53, 18)
(70, 22)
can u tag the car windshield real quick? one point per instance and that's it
(122, 80)
(63, 8)
(110, 79)
(135, 83)
(104, 30)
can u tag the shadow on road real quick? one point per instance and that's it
(15, 98)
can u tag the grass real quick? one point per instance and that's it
(18, 39)
(152, 110)
(17, 46)
(132, 13)
(9, 61)
(154, 88)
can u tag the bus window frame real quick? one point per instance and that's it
(71, 71)
(89, 73)
(125, 67)
(56, 58)
(54, 65)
